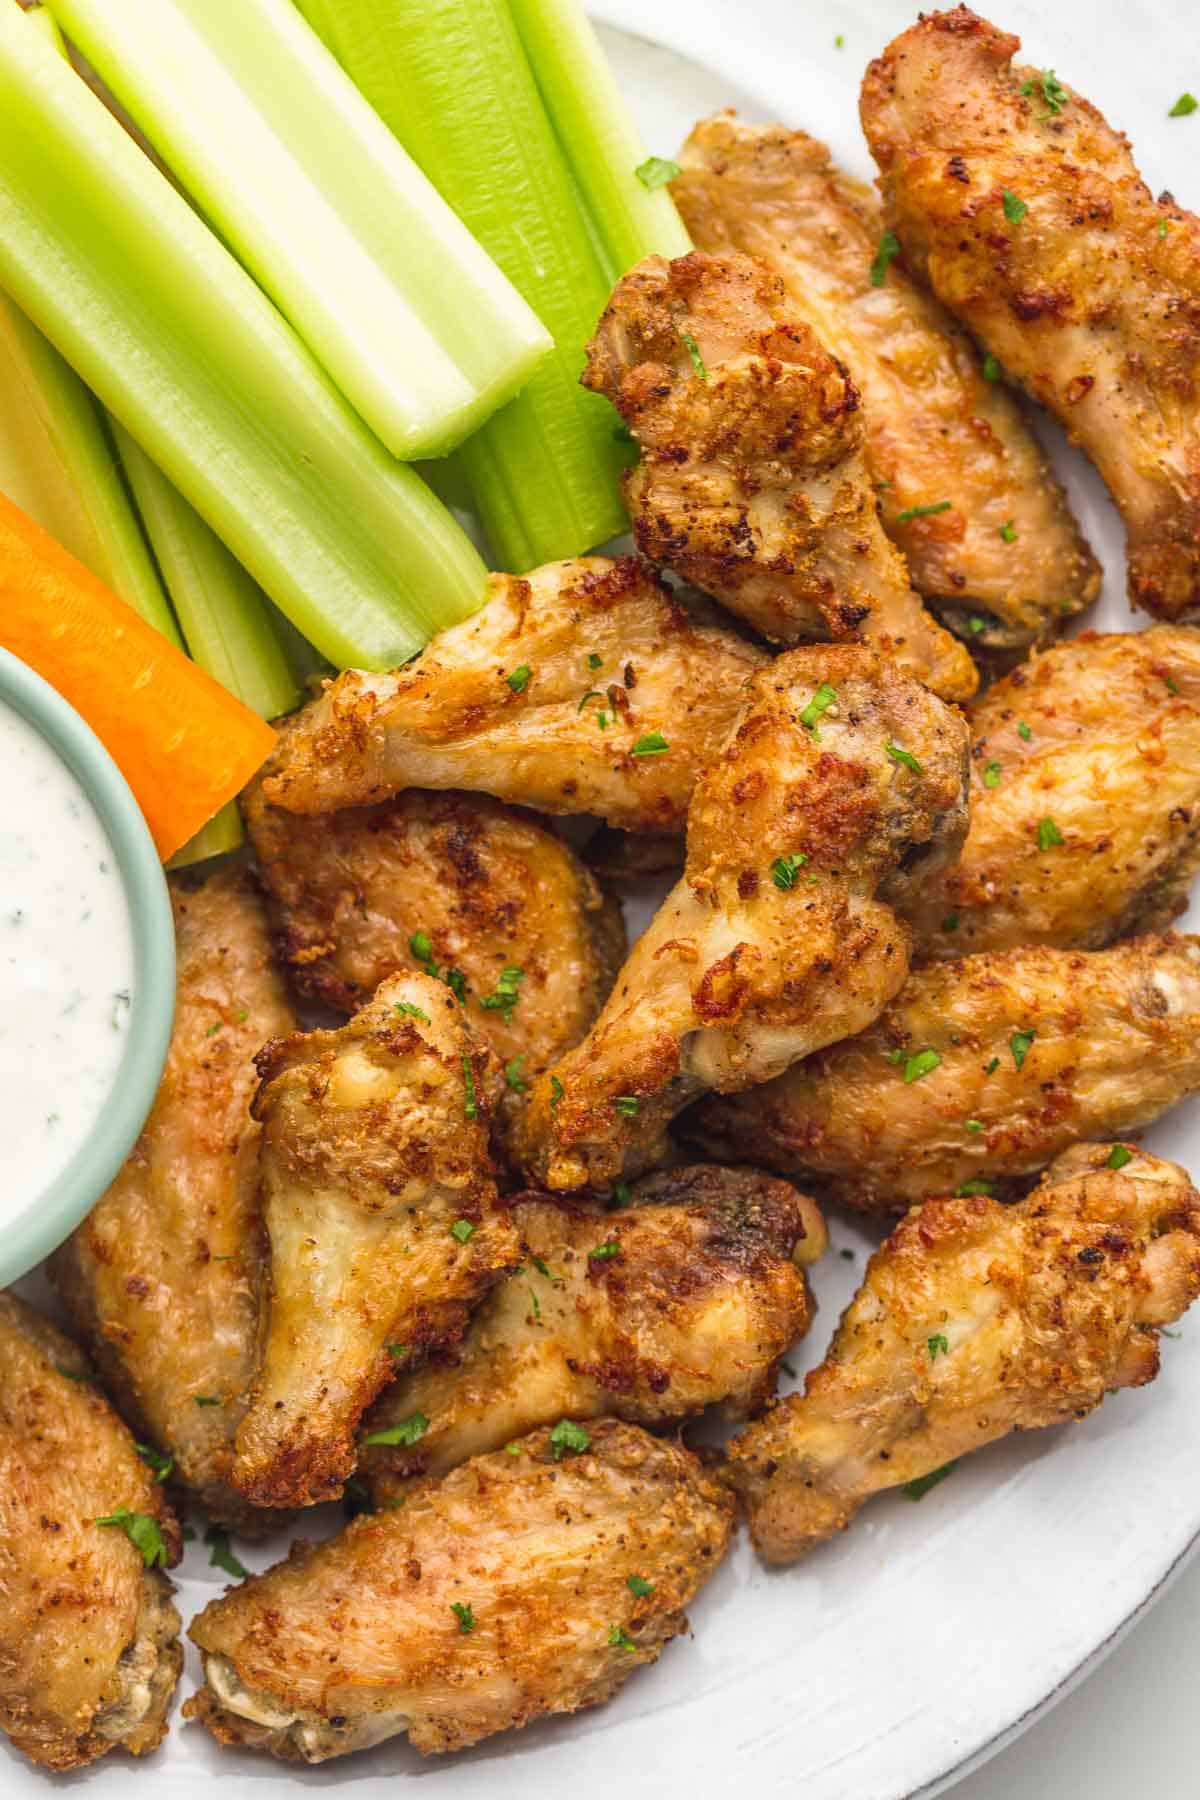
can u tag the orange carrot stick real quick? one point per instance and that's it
(184, 744)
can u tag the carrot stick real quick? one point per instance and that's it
(183, 743)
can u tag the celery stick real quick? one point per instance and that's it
(451, 80)
(217, 838)
(412, 320)
(221, 612)
(601, 143)
(184, 349)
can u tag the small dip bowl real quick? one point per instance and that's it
(51, 1214)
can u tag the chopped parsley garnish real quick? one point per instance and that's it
(513, 1449)
(464, 1615)
(213, 1029)
(620, 1639)
(950, 922)
(471, 1099)
(1186, 103)
(976, 624)
(142, 1532)
(923, 512)
(622, 1194)
(421, 946)
(991, 775)
(463, 1230)
(456, 981)
(990, 1068)
(568, 1439)
(627, 1105)
(917, 1490)
(605, 1252)
(409, 1431)
(512, 1075)
(937, 1345)
(592, 694)
(1048, 834)
(785, 869)
(1014, 209)
(1118, 1156)
(1162, 228)
(992, 368)
(846, 1255)
(1053, 92)
(556, 1090)
(409, 1011)
(905, 757)
(655, 172)
(72, 1374)
(1008, 532)
(537, 1309)
(820, 704)
(1019, 1044)
(594, 661)
(207, 1399)
(693, 350)
(887, 252)
(1024, 731)
(507, 993)
(543, 1268)
(653, 743)
(397, 1350)
(922, 1064)
(974, 1126)
(839, 42)
(637, 1584)
(159, 1465)
(518, 681)
(1171, 686)
(220, 1556)
(978, 1186)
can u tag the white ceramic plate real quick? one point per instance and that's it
(895, 1659)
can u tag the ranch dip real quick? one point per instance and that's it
(66, 964)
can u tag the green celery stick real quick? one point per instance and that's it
(411, 319)
(184, 349)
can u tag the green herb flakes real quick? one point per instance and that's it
(518, 681)
(923, 512)
(655, 172)
(142, 1532)
(885, 255)
(568, 1439)
(409, 1431)
(917, 1490)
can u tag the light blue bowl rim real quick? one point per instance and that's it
(50, 1216)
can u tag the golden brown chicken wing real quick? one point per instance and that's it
(965, 489)
(974, 1320)
(1022, 208)
(752, 482)
(162, 1279)
(843, 783)
(484, 893)
(383, 1224)
(980, 1072)
(1085, 800)
(89, 1639)
(523, 1583)
(583, 687)
(650, 1314)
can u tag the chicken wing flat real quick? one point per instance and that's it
(583, 687)
(980, 1072)
(752, 482)
(1022, 208)
(1085, 800)
(162, 1279)
(1001, 559)
(383, 1225)
(976, 1319)
(650, 1314)
(843, 781)
(89, 1638)
(498, 1594)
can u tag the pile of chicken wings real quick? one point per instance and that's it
(455, 1206)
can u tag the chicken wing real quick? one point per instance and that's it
(1022, 208)
(967, 492)
(974, 1320)
(1085, 800)
(383, 1224)
(752, 482)
(521, 1584)
(980, 1072)
(583, 687)
(843, 781)
(650, 1314)
(89, 1639)
(162, 1279)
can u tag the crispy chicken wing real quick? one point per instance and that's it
(1022, 208)
(89, 1639)
(981, 1070)
(383, 1224)
(976, 1319)
(162, 1278)
(583, 687)
(1085, 800)
(1004, 563)
(498, 1594)
(842, 784)
(752, 482)
(650, 1314)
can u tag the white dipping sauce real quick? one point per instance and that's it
(66, 964)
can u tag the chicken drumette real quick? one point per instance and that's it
(89, 1638)
(527, 1582)
(980, 1072)
(841, 786)
(752, 482)
(967, 493)
(163, 1276)
(1022, 208)
(382, 1219)
(650, 1314)
(976, 1319)
(583, 687)
(1085, 800)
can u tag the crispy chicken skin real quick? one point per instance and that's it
(512, 702)
(976, 1319)
(752, 482)
(1095, 741)
(496, 1595)
(162, 1278)
(1083, 296)
(1007, 551)
(89, 1639)
(383, 1224)
(488, 886)
(1113, 1041)
(842, 784)
(650, 1314)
